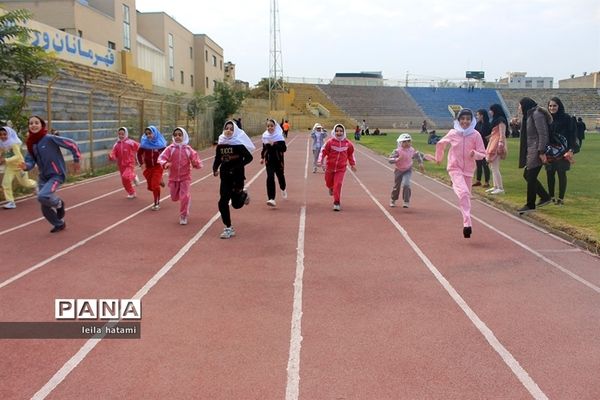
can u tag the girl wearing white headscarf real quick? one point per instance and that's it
(272, 156)
(318, 135)
(466, 146)
(179, 158)
(11, 156)
(232, 154)
(124, 152)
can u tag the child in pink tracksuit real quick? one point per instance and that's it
(124, 152)
(178, 158)
(338, 151)
(466, 146)
(403, 158)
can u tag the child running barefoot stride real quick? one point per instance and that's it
(466, 146)
(231, 156)
(11, 156)
(272, 156)
(403, 158)
(152, 144)
(178, 158)
(336, 154)
(124, 152)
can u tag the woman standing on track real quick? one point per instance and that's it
(232, 154)
(272, 156)
(124, 152)
(338, 152)
(11, 156)
(466, 146)
(496, 148)
(44, 150)
(179, 158)
(152, 144)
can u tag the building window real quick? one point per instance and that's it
(214, 61)
(539, 84)
(126, 28)
(221, 65)
(191, 53)
(528, 84)
(80, 33)
(192, 80)
(181, 76)
(171, 57)
(214, 84)
(206, 55)
(111, 45)
(207, 82)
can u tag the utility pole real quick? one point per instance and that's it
(275, 63)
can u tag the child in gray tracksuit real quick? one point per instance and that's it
(403, 158)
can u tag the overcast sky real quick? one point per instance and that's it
(429, 39)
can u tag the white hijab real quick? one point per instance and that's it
(238, 137)
(277, 135)
(186, 137)
(126, 132)
(471, 128)
(333, 132)
(12, 139)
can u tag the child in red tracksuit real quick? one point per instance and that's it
(152, 144)
(178, 158)
(124, 152)
(338, 152)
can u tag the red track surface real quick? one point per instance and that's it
(386, 303)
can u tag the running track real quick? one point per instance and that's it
(304, 303)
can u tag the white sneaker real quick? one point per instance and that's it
(497, 191)
(10, 205)
(405, 204)
(182, 220)
(336, 207)
(271, 203)
(284, 194)
(392, 203)
(228, 233)
(155, 207)
(490, 190)
(131, 196)
(136, 181)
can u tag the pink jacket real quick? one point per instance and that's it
(459, 155)
(338, 153)
(403, 158)
(182, 158)
(124, 151)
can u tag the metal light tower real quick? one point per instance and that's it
(275, 64)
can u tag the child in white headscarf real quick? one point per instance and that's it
(11, 156)
(403, 158)
(318, 135)
(178, 158)
(124, 152)
(466, 146)
(272, 156)
(232, 154)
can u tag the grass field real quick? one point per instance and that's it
(579, 217)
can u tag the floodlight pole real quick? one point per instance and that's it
(275, 63)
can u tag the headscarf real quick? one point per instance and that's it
(333, 132)
(238, 137)
(126, 133)
(483, 126)
(158, 141)
(561, 108)
(186, 137)
(315, 126)
(499, 116)
(526, 104)
(277, 135)
(471, 128)
(12, 139)
(33, 138)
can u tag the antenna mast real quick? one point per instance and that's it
(275, 64)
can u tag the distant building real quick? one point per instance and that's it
(358, 78)
(230, 72)
(520, 80)
(586, 81)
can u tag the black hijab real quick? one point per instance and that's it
(527, 104)
(499, 116)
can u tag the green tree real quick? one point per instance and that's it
(21, 64)
(227, 101)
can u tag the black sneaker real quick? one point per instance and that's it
(467, 230)
(524, 210)
(543, 203)
(60, 210)
(59, 228)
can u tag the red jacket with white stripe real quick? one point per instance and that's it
(338, 153)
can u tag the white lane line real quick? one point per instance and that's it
(487, 333)
(554, 264)
(82, 353)
(292, 388)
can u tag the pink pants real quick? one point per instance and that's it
(180, 191)
(334, 180)
(461, 184)
(127, 176)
